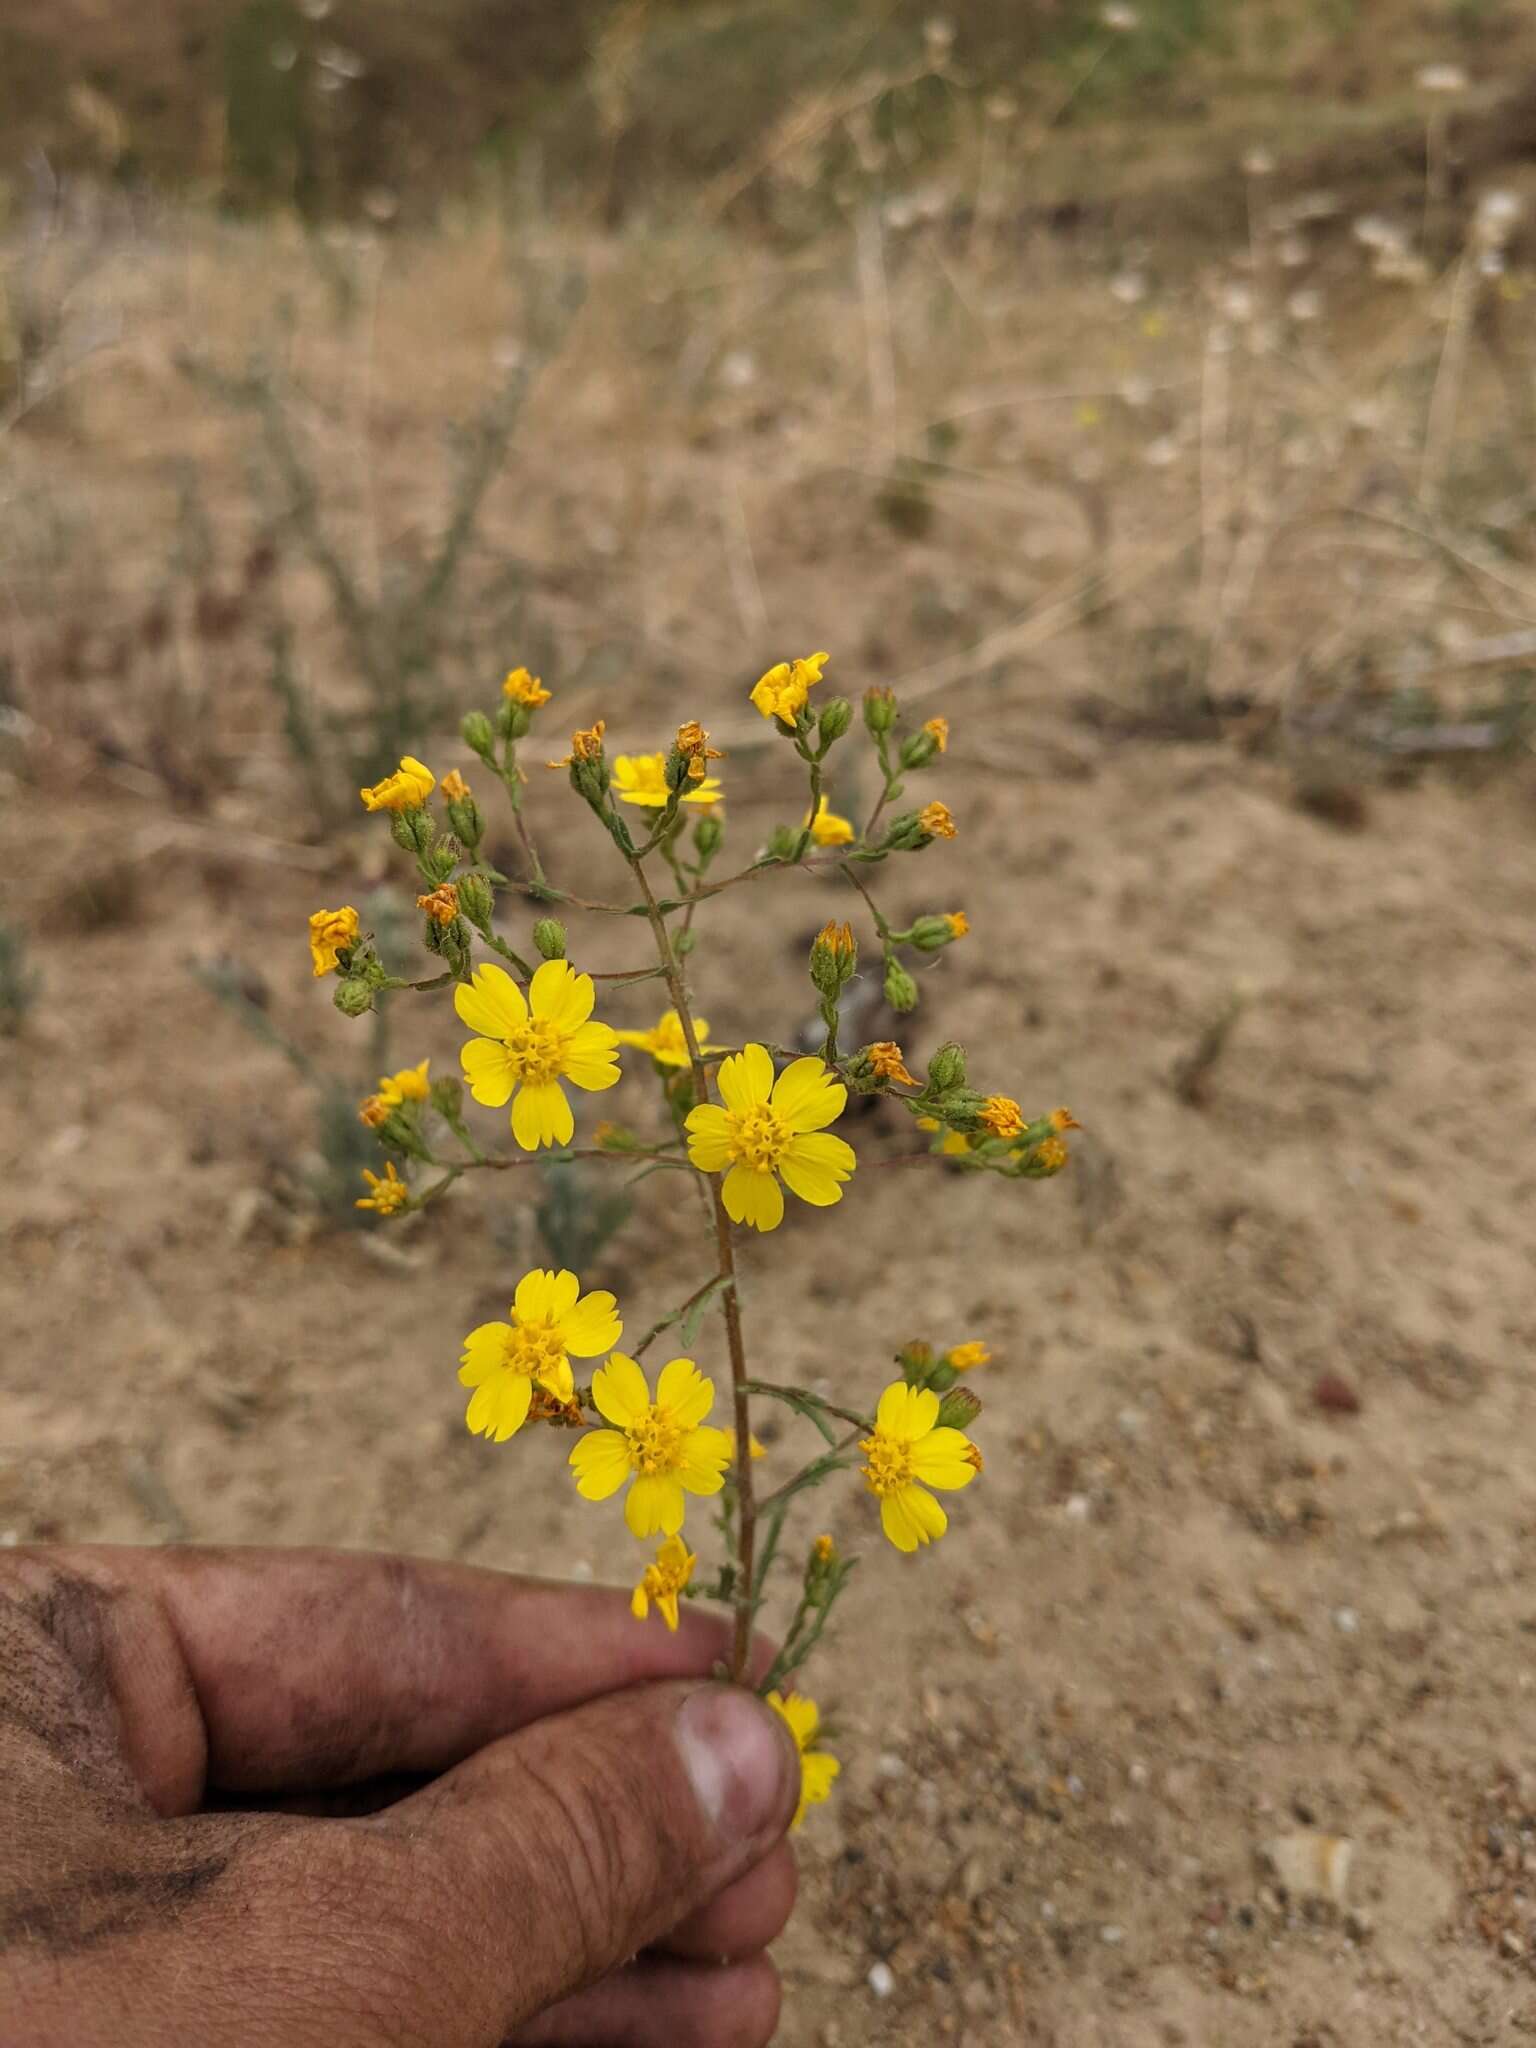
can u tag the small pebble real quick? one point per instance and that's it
(1138, 1772)
(1078, 1507)
(890, 1765)
(1112, 1936)
(1346, 1621)
(881, 1979)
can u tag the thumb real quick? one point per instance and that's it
(552, 1856)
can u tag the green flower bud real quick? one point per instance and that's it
(448, 1098)
(475, 728)
(958, 1409)
(834, 957)
(946, 1069)
(782, 843)
(353, 997)
(400, 1132)
(931, 934)
(453, 944)
(412, 830)
(879, 711)
(439, 861)
(467, 820)
(962, 1109)
(942, 1377)
(549, 937)
(916, 1362)
(900, 988)
(708, 834)
(477, 900)
(513, 721)
(918, 750)
(684, 944)
(836, 717)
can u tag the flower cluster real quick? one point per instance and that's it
(749, 1124)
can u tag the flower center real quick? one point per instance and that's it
(536, 1050)
(533, 1350)
(890, 1464)
(654, 1441)
(758, 1137)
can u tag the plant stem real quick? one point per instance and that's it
(746, 1507)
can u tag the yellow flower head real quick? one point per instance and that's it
(521, 688)
(936, 821)
(552, 1323)
(442, 906)
(781, 693)
(693, 745)
(838, 940)
(959, 924)
(331, 933)
(454, 787)
(885, 1057)
(828, 829)
(661, 1444)
(374, 1110)
(1064, 1120)
(771, 1129)
(529, 1045)
(586, 745)
(825, 1549)
(937, 730)
(1051, 1155)
(967, 1357)
(665, 1042)
(1002, 1116)
(409, 1085)
(642, 779)
(817, 1766)
(755, 1450)
(406, 790)
(387, 1192)
(664, 1581)
(907, 1454)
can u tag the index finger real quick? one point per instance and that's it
(254, 1670)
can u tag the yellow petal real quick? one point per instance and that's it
(803, 1716)
(561, 995)
(591, 1056)
(906, 1413)
(601, 1464)
(559, 1380)
(808, 1175)
(590, 1327)
(684, 1392)
(800, 1080)
(911, 1517)
(703, 1459)
(542, 1116)
(619, 1391)
(746, 1078)
(531, 1302)
(940, 1459)
(488, 1070)
(753, 1198)
(816, 1775)
(655, 1501)
(821, 1151)
(484, 1350)
(491, 1002)
(499, 1408)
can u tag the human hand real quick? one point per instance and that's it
(589, 1798)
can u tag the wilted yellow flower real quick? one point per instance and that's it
(530, 1044)
(521, 688)
(936, 821)
(967, 1357)
(959, 924)
(828, 829)
(665, 1042)
(1002, 1116)
(661, 1444)
(586, 745)
(454, 787)
(1064, 1120)
(817, 1766)
(693, 744)
(442, 905)
(885, 1057)
(374, 1110)
(664, 1581)
(387, 1192)
(937, 730)
(781, 693)
(406, 790)
(642, 779)
(552, 1323)
(1051, 1154)
(772, 1127)
(907, 1454)
(331, 932)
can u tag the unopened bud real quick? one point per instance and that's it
(918, 750)
(466, 818)
(932, 934)
(513, 721)
(946, 1069)
(900, 988)
(836, 717)
(782, 843)
(412, 830)
(549, 937)
(353, 997)
(958, 1409)
(707, 836)
(879, 710)
(834, 956)
(477, 734)
(916, 1362)
(447, 1097)
(942, 1377)
(477, 900)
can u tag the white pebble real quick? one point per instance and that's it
(1346, 1621)
(1112, 1936)
(1078, 1507)
(881, 1979)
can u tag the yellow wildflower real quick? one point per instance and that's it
(825, 1549)
(1051, 1154)
(754, 1449)
(771, 1128)
(521, 688)
(409, 1085)
(1002, 1116)
(528, 1045)
(967, 1357)
(442, 905)
(387, 1192)
(665, 1042)
(908, 1453)
(955, 1142)
(374, 1110)
(693, 744)
(959, 924)
(454, 787)
(817, 1766)
(406, 790)
(586, 745)
(885, 1057)
(642, 779)
(1064, 1120)
(937, 730)
(331, 933)
(936, 821)
(661, 1444)
(828, 829)
(781, 693)
(552, 1323)
(664, 1581)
